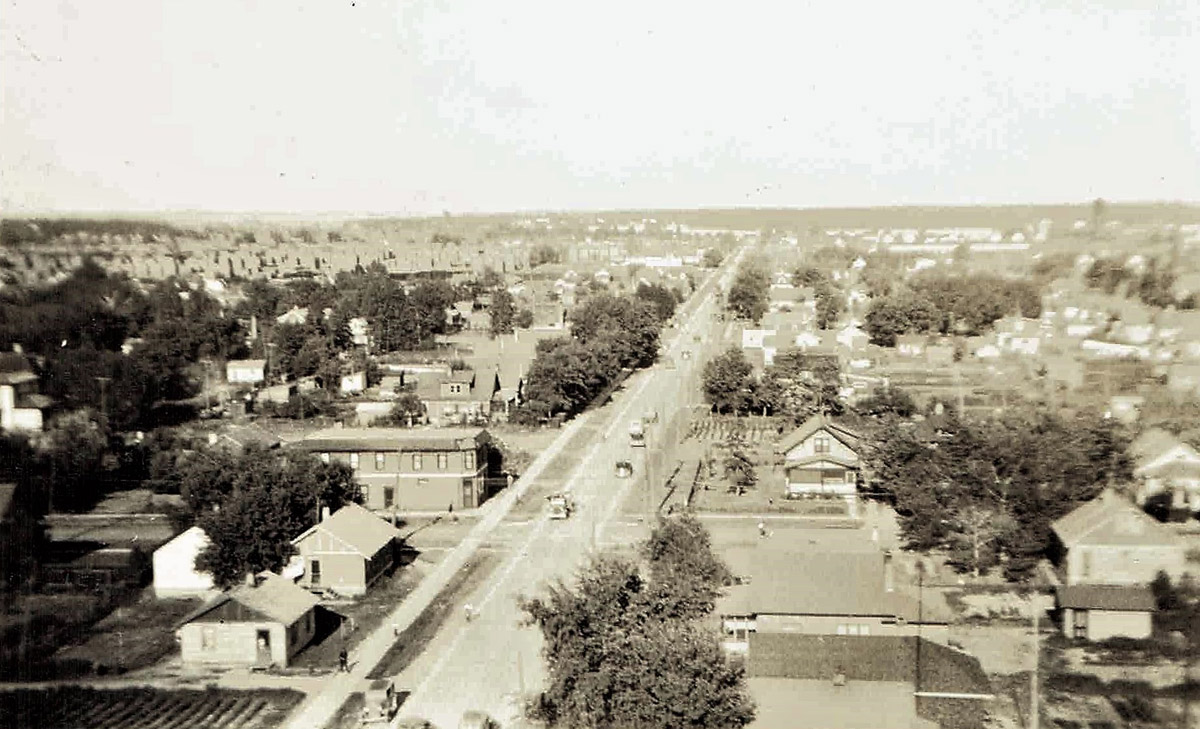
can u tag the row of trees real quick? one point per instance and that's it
(830, 302)
(988, 490)
(796, 385)
(626, 645)
(1153, 285)
(608, 334)
(967, 304)
(747, 298)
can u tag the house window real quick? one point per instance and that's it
(325, 458)
(354, 461)
(380, 460)
(416, 461)
(314, 572)
(849, 476)
(456, 389)
(389, 496)
(1087, 564)
(208, 638)
(469, 460)
(443, 461)
(821, 444)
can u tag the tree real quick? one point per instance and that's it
(503, 312)
(799, 385)
(408, 409)
(829, 305)
(727, 381)
(523, 319)
(683, 566)
(891, 316)
(808, 276)
(624, 325)
(887, 401)
(262, 501)
(566, 375)
(660, 297)
(616, 659)
(747, 297)
(70, 454)
(712, 258)
(976, 529)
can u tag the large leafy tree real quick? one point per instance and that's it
(662, 298)
(623, 650)
(747, 297)
(625, 325)
(986, 488)
(727, 382)
(503, 311)
(799, 385)
(252, 504)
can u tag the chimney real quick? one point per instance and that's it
(324, 513)
(251, 580)
(889, 580)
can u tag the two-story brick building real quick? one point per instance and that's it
(410, 470)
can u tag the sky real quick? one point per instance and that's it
(417, 107)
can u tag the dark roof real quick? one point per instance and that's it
(818, 458)
(357, 440)
(13, 362)
(817, 583)
(1106, 597)
(7, 490)
(274, 597)
(818, 422)
(867, 658)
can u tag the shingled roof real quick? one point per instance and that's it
(848, 437)
(358, 528)
(1110, 519)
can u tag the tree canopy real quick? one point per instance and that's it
(994, 485)
(727, 381)
(253, 503)
(747, 297)
(626, 650)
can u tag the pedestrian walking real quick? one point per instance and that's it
(453, 518)
(762, 529)
(344, 661)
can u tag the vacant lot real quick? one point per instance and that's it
(131, 636)
(145, 708)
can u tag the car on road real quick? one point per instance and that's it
(477, 720)
(561, 506)
(380, 702)
(624, 469)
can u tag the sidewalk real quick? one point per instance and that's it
(318, 708)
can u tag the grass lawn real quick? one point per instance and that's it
(145, 708)
(137, 501)
(132, 636)
(414, 638)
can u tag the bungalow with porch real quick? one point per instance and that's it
(1164, 463)
(820, 458)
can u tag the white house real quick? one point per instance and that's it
(354, 382)
(175, 573)
(250, 371)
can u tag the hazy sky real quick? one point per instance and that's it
(418, 106)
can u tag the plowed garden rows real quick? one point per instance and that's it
(144, 708)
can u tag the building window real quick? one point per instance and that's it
(380, 460)
(314, 572)
(354, 461)
(325, 458)
(456, 389)
(849, 476)
(821, 445)
(469, 460)
(389, 496)
(443, 461)
(416, 461)
(422, 482)
(208, 638)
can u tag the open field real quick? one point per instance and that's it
(76, 707)
(132, 636)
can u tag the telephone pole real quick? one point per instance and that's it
(1034, 713)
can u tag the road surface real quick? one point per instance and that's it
(487, 663)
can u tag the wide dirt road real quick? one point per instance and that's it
(486, 663)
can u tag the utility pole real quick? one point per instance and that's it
(103, 395)
(1034, 713)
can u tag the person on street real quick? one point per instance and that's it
(344, 661)
(762, 529)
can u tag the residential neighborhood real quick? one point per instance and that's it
(436, 365)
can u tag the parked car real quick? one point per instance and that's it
(380, 702)
(477, 720)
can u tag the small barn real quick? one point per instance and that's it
(264, 622)
(175, 573)
(347, 551)
(1100, 612)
